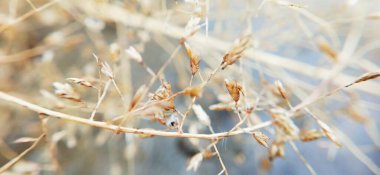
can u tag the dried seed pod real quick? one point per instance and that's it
(328, 132)
(208, 154)
(164, 93)
(276, 150)
(234, 88)
(81, 82)
(236, 52)
(311, 135)
(265, 164)
(194, 59)
(356, 115)
(284, 123)
(261, 138)
(326, 48)
(281, 90)
(366, 77)
(195, 91)
(66, 91)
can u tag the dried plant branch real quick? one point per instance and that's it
(363, 78)
(118, 129)
(20, 156)
(27, 15)
(307, 164)
(220, 160)
(145, 23)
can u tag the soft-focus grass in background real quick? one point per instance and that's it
(313, 48)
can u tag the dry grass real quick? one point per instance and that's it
(249, 72)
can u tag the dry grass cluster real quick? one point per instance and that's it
(97, 87)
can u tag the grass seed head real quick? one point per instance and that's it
(164, 93)
(66, 91)
(355, 114)
(208, 154)
(276, 150)
(284, 123)
(194, 91)
(326, 49)
(307, 136)
(265, 164)
(281, 90)
(368, 76)
(194, 59)
(234, 89)
(236, 52)
(261, 138)
(81, 82)
(329, 133)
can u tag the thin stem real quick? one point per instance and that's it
(308, 166)
(27, 15)
(20, 156)
(119, 92)
(220, 159)
(31, 4)
(217, 153)
(184, 116)
(100, 99)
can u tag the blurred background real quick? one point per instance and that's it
(312, 47)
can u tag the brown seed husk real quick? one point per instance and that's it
(276, 150)
(234, 88)
(281, 89)
(194, 59)
(326, 48)
(328, 132)
(164, 94)
(236, 52)
(311, 135)
(366, 77)
(261, 138)
(195, 91)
